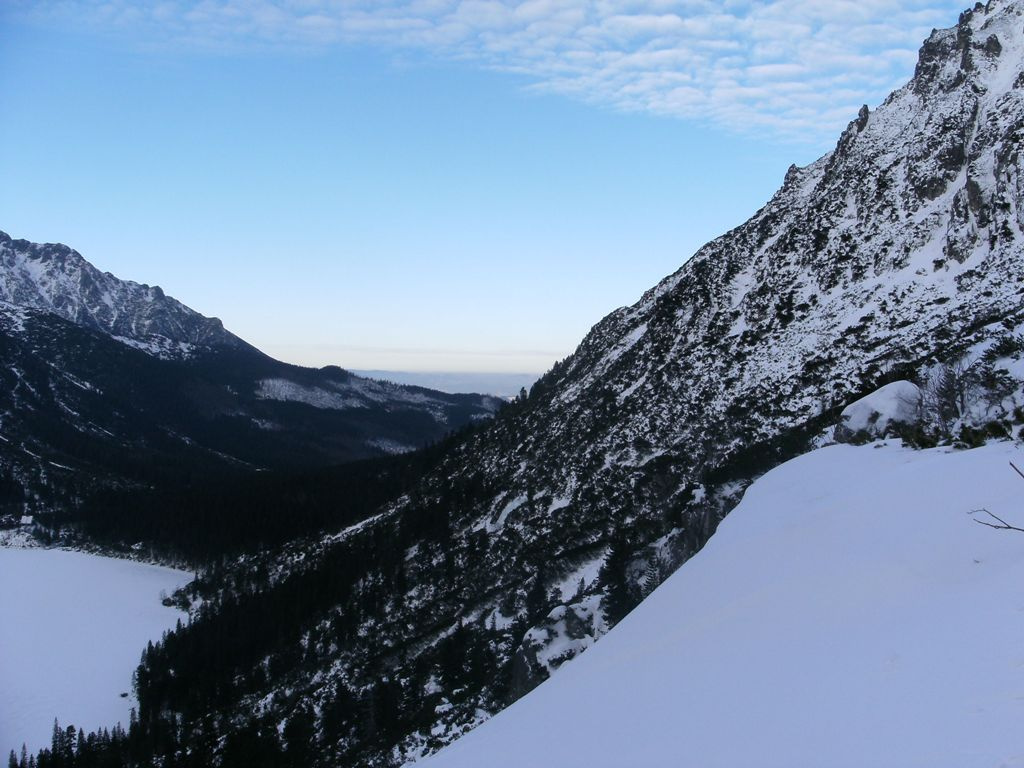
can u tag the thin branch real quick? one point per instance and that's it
(1004, 526)
(1016, 470)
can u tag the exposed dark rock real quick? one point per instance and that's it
(862, 118)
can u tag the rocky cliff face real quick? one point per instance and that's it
(900, 248)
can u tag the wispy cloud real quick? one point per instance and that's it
(793, 68)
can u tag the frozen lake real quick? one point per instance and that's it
(72, 630)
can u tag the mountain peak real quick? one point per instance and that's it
(973, 50)
(51, 277)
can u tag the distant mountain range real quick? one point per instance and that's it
(106, 382)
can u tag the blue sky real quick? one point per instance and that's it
(422, 184)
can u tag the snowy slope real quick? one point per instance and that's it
(849, 612)
(73, 628)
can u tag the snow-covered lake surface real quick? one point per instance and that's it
(848, 613)
(72, 630)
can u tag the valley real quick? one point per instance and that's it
(746, 503)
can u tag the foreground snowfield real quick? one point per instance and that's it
(72, 629)
(849, 612)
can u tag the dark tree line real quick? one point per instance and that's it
(217, 518)
(73, 748)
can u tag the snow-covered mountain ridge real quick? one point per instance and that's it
(55, 278)
(860, 259)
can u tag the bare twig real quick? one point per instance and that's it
(1004, 526)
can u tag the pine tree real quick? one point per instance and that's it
(536, 597)
(580, 589)
(652, 577)
(618, 598)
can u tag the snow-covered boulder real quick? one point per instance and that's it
(566, 632)
(874, 414)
